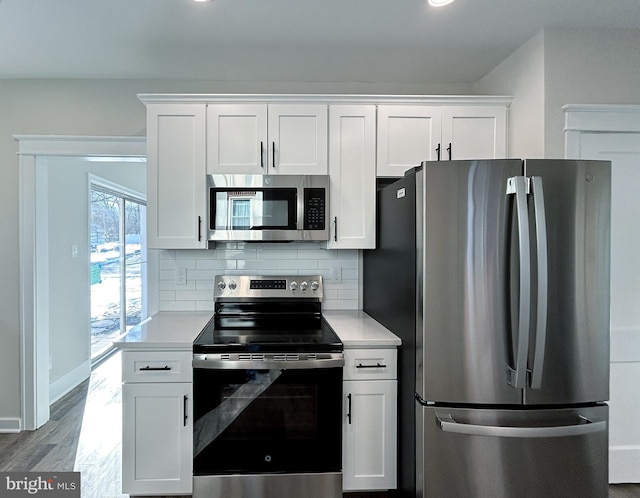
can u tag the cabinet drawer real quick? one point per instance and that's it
(156, 366)
(367, 364)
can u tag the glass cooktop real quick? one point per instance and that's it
(272, 334)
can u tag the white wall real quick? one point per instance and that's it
(68, 224)
(558, 67)
(587, 67)
(105, 107)
(521, 75)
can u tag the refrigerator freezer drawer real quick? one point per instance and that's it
(513, 453)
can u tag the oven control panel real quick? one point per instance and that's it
(253, 286)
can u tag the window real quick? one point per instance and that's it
(118, 265)
(240, 214)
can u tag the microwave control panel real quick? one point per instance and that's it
(314, 208)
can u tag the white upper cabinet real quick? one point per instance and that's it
(237, 138)
(474, 132)
(176, 174)
(412, 133)
(407, 135)
(352, 154)
(267, 139)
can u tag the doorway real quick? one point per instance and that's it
(612, 132)
(35, 152)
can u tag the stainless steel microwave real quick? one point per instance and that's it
(268, 207)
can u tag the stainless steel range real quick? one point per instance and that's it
(267, 380)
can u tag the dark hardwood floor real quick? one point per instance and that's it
(84, 434)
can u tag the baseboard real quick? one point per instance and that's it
(624, 464)
(10, 425)
(59, 387)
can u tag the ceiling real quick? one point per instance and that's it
(399, 41)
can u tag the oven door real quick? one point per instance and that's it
(267, 421)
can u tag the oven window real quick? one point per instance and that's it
(257, 209)
(249, 421)
(289, 410)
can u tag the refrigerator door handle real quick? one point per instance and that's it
(542, 299)
(585, 426)
(518, 185)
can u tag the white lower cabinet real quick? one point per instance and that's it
(157, 428)
(369, 443)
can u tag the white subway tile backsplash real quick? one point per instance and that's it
(297, 264)
(192, 295)
(166, 295)
(239, 258)
(278, 254)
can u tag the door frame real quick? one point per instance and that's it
(581, 120)
(33, 250)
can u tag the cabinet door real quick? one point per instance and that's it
(157, 442)
(353, 177)
(407, 135)
(474, 132)
(237, 138)
(176, 203)
(370, 435)
(298, 139)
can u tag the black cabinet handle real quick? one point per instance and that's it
(273, 154)
(449, 151)
(349, 408)
(152, 369)
(262, 154)
(377, 365)
(335, 229)
(199, 228)
(185, 401)
(438, 152)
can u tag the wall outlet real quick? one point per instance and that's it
(181, 276)
(336, 275)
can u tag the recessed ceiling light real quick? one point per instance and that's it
(202, 1)
(439, 3)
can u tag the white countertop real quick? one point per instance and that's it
(356, 329)
(176, 330)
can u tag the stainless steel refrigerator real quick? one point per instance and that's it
(495, 274)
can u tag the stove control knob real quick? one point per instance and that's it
(232, 285)
(304, 285)
(314, 285)
(221, 286)
(293, 285)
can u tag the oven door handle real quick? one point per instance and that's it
(217, 364)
